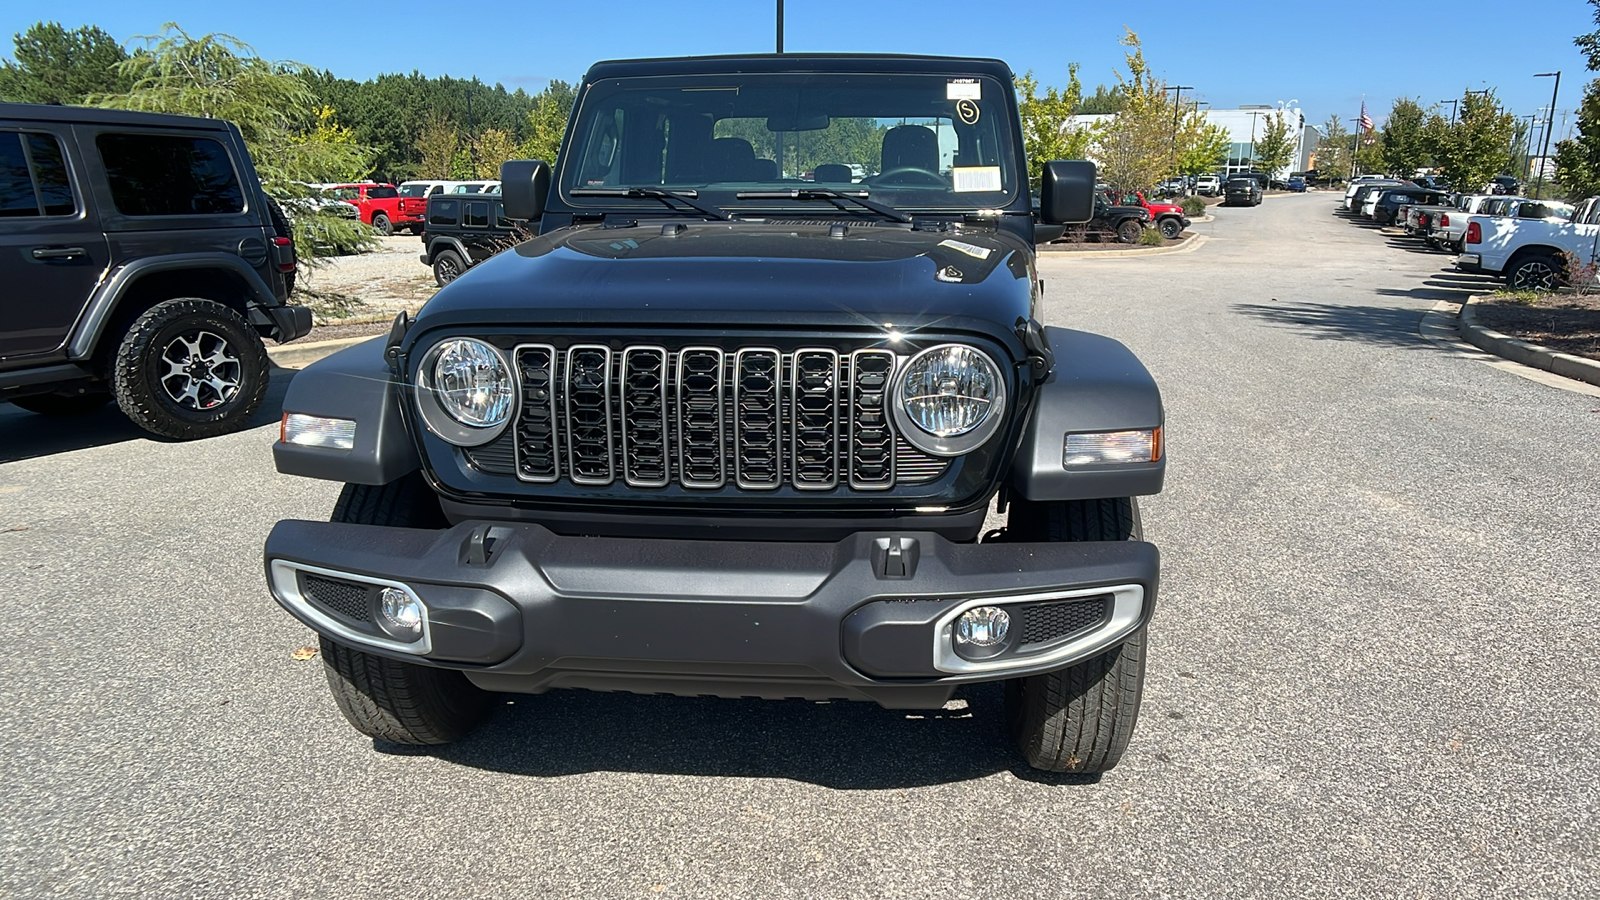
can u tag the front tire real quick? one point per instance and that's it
(190, 368)
(1128, 231)
(1079, 719)
(447, 267)
(387, 699)
(1171, 228)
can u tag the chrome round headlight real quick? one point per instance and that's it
(466, 394)
(949, 399)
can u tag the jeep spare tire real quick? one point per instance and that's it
(190, 368)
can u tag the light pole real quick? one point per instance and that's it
(780, 26)
(1550, 122)
(1453, 105)
(1355, 145)
(1527, 147)
(1177, 113)
(1253, 140)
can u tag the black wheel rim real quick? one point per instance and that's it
(1170, 229)
(447, 270)
(1537, 275)
(202, 372)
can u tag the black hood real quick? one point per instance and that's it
(749, 273)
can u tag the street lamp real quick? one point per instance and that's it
(1177, 113)
(780, 26)
(1550, 122)
(1453, 105)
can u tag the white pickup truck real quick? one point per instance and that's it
(1530, 251)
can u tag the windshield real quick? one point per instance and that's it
(911, 141)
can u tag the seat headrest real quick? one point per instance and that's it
(731, 159)
(915, 146)
(832, 173)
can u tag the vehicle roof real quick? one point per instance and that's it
(798, 62)
(94, 115)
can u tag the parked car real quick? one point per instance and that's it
(1359, 182)
(1367, 192)
(1448, 229)
(1241, 190)
(474, 187)
(1169, 219)
(1297, 183)
(1386, 204)
(378, 204)
(143, 265)
(414, 200)
(464, 230)
(1530, 250)
(1121, 222)
(663, 449)
(1504, 184)
(1208, 185)
(1432, 182)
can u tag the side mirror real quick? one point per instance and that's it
(1066, 192)
(524, 186)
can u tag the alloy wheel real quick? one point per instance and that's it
(202, 371)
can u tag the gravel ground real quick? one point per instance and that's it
(367, 287)
(1372, 668)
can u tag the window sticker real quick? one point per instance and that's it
(967, 112)
(971, 179)
(963, 89)
(972, 250)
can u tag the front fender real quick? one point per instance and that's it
(356, 384)
(1097, 385)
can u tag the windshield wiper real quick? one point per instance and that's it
(687, 198)
(836, 197)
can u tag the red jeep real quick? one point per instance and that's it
(1167, 217)
(379, 205)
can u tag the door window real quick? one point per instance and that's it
(477, 215)
(442, 212)
(169, 175)
(41, 188)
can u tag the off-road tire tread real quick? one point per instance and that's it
(461, 266)
(1081, 718)
(387, 699)
(136, 397)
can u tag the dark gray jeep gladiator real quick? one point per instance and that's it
(733, 422)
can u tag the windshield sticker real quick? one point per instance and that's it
(969, 249)
(971, 179)
(967, 111)
(963, 89)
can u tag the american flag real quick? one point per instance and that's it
(1366, 120)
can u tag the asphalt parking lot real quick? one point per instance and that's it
(1372, 672)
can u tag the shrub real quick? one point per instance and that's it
(1193, 207)
(1151, 237)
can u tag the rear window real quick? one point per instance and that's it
(442, 212)
(382, 193)
(167, 175)
(413, 190)
(477, 215)
(43, 191)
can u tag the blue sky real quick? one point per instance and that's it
(1233, 54)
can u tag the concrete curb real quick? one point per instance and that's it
(298, 356)
(1188, 246)
(1519, 351)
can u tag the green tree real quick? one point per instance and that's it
(1477, 146)
(1134, 148)
(1405, 143)
(1578, 157)
(436, 146)
(547, 121)
(53, 65)
(1048, 132)
(1590, 43)
(1333, 151)
(1274, 147)
(495, 146)
(1201, 146)
(292, 139)
(1102, 102)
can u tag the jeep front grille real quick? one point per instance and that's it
(704, 417)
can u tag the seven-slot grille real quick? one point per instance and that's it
(760, 418)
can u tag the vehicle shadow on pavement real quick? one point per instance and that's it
(1393, 326)
(25, 435)
(847, 745)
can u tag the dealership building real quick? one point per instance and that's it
(1244, 126)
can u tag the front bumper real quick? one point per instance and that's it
(520, 608)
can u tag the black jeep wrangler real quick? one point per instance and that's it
(721, 430)
(461, 230)
(141, 262)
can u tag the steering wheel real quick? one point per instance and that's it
(921, 176)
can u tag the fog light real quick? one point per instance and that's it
(1142, 446)
(317, 431)
(981, 632)
(402, 614)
